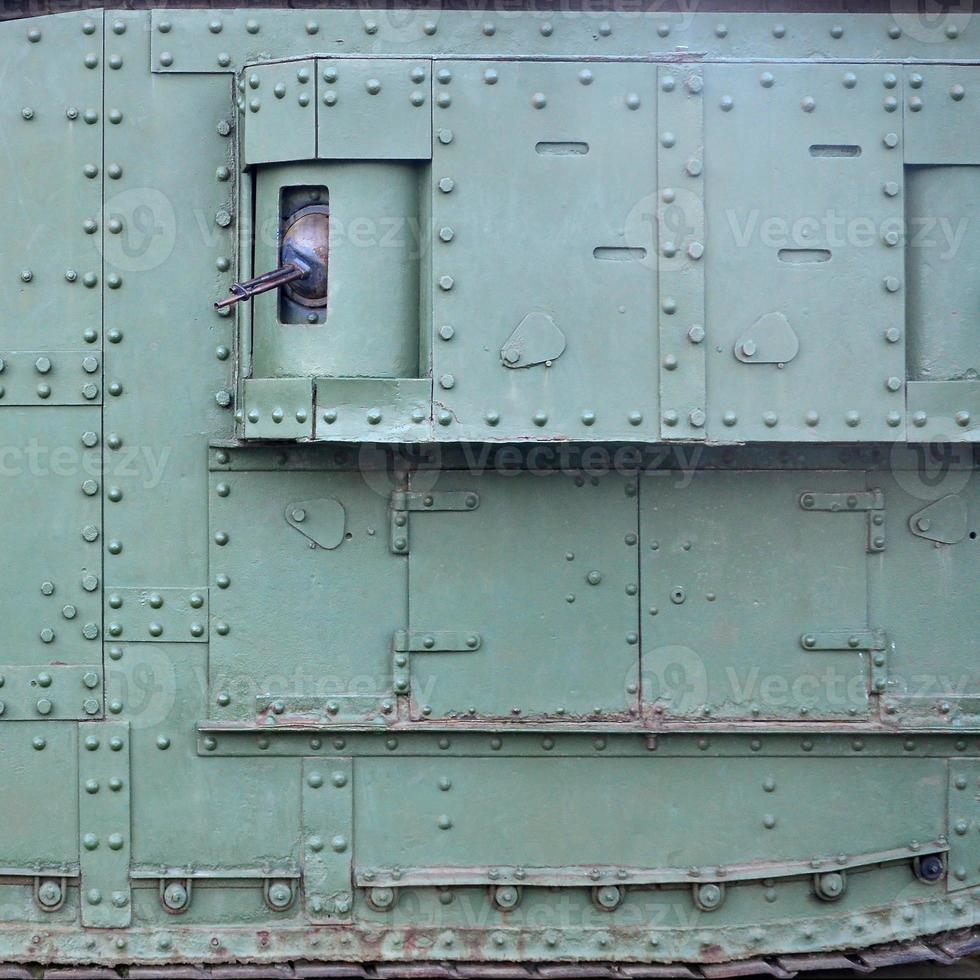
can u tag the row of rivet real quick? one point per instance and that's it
(681, 281)
(546, 29)
(600, 743)
(811, 418)
(278, 415)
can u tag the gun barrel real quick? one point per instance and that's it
(262, 284)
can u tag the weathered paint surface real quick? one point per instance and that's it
(589, 575)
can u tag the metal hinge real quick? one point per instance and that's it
(405, 501)
(427, 641)
(873, 641)
(869, 502)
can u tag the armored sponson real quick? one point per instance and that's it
(499, 487)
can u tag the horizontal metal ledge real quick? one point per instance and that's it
(146, 872)
(312, 743)
(68, 870)
(589, 876)
(741, 728)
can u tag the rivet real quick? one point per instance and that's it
(539, 100)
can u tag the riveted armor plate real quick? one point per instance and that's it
(488, 492)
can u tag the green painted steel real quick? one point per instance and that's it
(575, 562)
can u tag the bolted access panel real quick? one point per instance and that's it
(805, 259)
(316, 546)
(544, 291)
(477, 548)
(755, 596)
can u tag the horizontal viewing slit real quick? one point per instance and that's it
(803, 256)
(835, 150)
(619, 253)
(565, 149)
